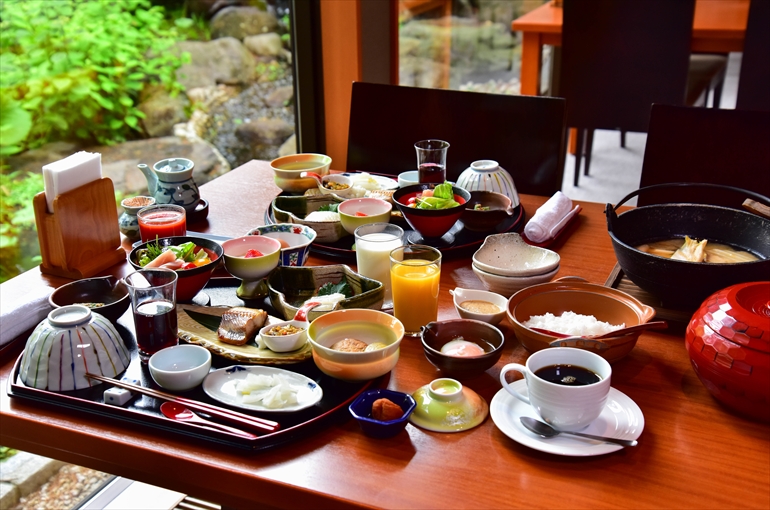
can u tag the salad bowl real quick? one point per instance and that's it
(196, 258)
(431, 216)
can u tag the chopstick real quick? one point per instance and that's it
(233, 417)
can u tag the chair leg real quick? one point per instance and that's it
(578, 153)
(589, 148)
(622, 139)
(718, 89)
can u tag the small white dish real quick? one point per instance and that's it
(284, 343)
(461, 296)
(510, 285)
(220, 385)
(620, 419)
(509, 255)
(408, 178)
(369, 181)
(180, 367)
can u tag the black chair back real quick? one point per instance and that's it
(525, 135)
(706, 145)
(619, 57)
(754, 80)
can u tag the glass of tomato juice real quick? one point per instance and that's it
(163, 220)
(415, 271)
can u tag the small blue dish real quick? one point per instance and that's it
(361, 409)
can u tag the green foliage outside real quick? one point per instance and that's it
(6, 452)
(73, 70)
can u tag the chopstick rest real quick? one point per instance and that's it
(233, 417)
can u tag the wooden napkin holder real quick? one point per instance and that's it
(81, 237)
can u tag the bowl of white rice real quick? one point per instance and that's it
(576, 309)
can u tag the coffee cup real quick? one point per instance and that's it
(567, 387)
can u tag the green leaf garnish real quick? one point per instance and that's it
(329, 207)
(336, 288)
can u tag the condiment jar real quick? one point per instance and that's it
(127, 222)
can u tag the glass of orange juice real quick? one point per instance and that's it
(415, 271)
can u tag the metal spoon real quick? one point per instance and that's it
(544, 430)
(178, 412)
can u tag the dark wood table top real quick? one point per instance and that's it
(693, 453)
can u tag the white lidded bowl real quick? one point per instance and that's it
(461, 296)
(71, 341)
(509, 255)
(181, 367)
(509, 285)
(488, 175)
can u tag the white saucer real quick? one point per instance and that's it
(220, 385)
(621, 419)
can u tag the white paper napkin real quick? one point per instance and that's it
(541, 227)
(20, 313)
(69, 173)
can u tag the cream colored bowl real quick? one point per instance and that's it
(508, 255)
(509, 285)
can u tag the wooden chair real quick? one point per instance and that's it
(754, 80)
(526, 135)
(728, 147)
(619, 57)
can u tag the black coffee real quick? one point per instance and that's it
(568, 375)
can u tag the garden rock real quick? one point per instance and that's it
(162, 111)
(269, 44)
(264, 131)
(240, 22)
(281, 96)
(223, 60)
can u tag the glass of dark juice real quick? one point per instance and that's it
(431, 161)
(153, 303)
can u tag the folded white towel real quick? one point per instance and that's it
(19, 313)
(549, 215)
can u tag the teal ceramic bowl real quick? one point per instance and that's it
(290, 287)
(251, 269)
(295, 209)
(355, 212)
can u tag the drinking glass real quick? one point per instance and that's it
(374, 242)
(165, 220)
(415, 272)
(431, 161)
(153, 302)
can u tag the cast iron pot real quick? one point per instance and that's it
(683, 284)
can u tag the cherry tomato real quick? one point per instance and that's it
(412, 201)
(253, 253)
(189, 265)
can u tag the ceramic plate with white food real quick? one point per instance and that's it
(222, 385)
(620, 419)
(382, 181)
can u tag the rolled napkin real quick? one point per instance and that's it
(19, 313)
(540, 228)
(69, 173)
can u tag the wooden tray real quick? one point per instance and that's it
(466, 241)
(618, 280)
(145, 411)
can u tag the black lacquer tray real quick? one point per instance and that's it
(145, 411)
(465, 241)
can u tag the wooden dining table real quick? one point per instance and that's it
(692, 453)
(719, 26)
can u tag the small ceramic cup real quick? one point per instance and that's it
(564, 405)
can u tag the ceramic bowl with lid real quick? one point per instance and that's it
(728, 341)
(445, 405)
(53, 362)
(488, 175)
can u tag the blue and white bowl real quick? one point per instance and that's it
(295, 241)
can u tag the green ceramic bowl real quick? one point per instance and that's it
(289, 287)
(355, 212)
(445, 405)
(295, 210)
(251, 269)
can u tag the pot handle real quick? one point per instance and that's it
(741, 191)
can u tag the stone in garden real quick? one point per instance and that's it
(162, 111)
(28, 472)
(289, 146)
(219, 61)
(264, 131)
(269, 44)
(280, 97)
(240, 22)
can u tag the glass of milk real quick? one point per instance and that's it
(374, 242)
